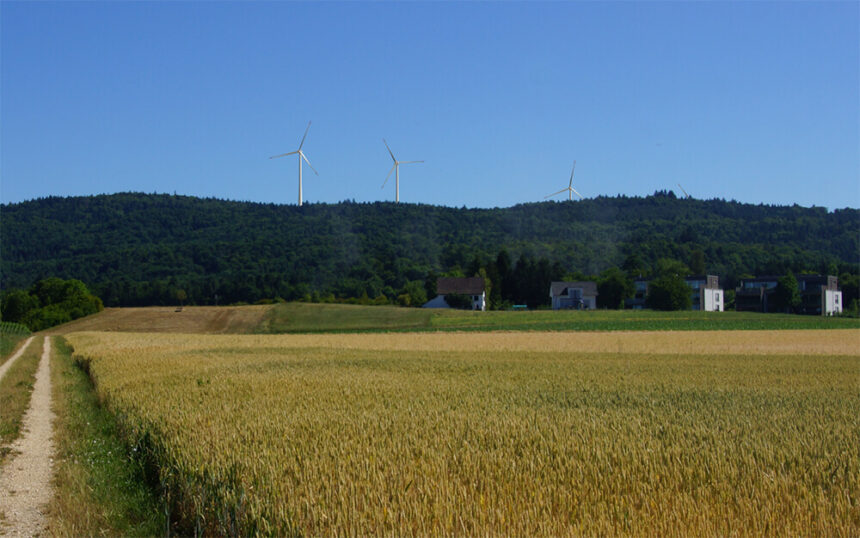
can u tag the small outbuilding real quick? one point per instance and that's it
(471, 287)
(573, 295)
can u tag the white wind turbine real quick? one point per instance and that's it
(396, 169)
(301, 156)
(570, 190)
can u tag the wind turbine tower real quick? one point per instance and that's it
(570, 190)
(301, 156)
(396, 169)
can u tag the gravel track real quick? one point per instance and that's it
(25, 479)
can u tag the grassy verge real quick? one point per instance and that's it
(331, 318)
(100, 485)
(8, 344)
(15, 390)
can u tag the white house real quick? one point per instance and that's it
(575, 295)
(472, 287)
(831, 302)
(820, 294)
(706, 293)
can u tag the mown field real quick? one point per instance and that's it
(691, 433)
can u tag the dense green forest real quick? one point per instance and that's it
(144, 249)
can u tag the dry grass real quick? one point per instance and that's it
(794, 342)
(192, 319)
(502, 433)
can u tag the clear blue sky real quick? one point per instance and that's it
(758, 102)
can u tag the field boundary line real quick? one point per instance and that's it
(8, 364)
(25, 479)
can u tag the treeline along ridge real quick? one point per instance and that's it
(144, 249)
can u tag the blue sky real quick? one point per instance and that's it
(758, 102)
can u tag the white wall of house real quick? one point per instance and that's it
(831, 302)
(712, 299)
(479, 302)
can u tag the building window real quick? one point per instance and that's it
(717, 296)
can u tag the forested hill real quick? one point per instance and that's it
(135, 248)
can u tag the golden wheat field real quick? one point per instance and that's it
(725, 433)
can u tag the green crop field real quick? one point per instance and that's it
(529, 433)
(305, 317)
(11, 334)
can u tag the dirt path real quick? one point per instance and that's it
(25, 480)
(8, 364)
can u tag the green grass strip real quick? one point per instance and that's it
(336, 318)
(100, 484)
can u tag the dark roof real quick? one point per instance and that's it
(588, 288)
(465, 286)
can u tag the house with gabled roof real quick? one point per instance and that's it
(573, 295)
(471, 287)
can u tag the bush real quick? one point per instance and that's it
(669, 292)
(786, 297)
(613, 287)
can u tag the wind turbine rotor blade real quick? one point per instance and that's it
(389, 150)
(388, 176)
(409, 162)
(580, 196)
(284, 154)
(571, 174)
(302, 143)
(553, 194)
(309, 163)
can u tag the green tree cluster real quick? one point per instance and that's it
(49, 302)
(786, 296)
(669, 291)
(613, 287)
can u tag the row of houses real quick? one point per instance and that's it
(705, 293)
(819, 294)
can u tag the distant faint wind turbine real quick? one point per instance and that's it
(301, 156)
(396, 169)
(570, 190)
(682, 190)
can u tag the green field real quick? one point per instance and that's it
(324, 318)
